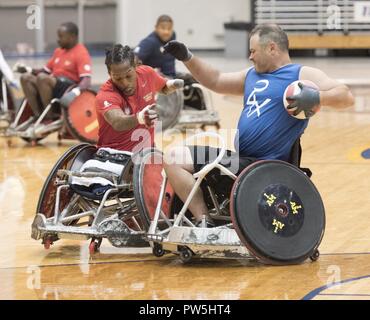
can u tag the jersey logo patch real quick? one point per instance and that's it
(252, 102)
(107, 104)
(87, 67)
(148, 97)
(56, 60)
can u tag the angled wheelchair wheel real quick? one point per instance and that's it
(277, 212)
(169, 108)
(147, 180)
(83, 154)
(81, 119)
(47, 198)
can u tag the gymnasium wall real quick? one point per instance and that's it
(199, 23)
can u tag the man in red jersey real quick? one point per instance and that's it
(125, 104)
(70, 65)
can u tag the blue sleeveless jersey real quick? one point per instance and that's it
(265, 129)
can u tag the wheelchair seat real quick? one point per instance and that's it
(106, 169)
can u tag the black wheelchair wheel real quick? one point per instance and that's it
(277, 212)
(46, 202)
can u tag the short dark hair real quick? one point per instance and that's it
(164, 18)
(271, 32)
(119, 54)
(70, 28)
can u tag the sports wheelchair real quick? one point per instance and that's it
(274, 213)
(78, 121)
(90, 194)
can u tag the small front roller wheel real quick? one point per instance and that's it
(315, 256)
(94, 246)
(47, 242)
(158, 250)
(185, 254)
(59, 139)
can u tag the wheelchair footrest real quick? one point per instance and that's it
(117, 233)
(70, 232)
(235, 252)
(204, 236)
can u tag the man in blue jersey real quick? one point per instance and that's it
(265, 130)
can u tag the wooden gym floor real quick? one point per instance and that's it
(333, 147)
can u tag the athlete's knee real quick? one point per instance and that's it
(43, 79)
(26, 78)
(179, 157)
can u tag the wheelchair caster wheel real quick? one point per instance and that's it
(158, 250)
(94, 246)
(33, 143)
(60, 138)
(185, 255)
(47, 243)
(315, 256)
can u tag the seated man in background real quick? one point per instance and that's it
(126, 102)
(70, 65)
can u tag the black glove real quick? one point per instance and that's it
(68, 97)
(178, 50)
(305, 101)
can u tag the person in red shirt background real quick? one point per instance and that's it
(69, 65)
(125, 104)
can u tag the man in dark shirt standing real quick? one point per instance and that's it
(149, 51)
